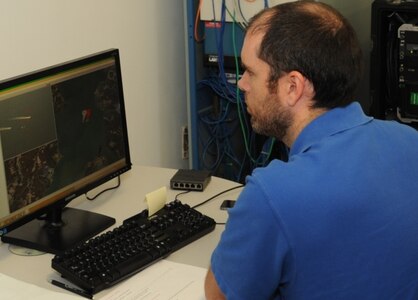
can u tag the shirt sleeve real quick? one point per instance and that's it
(250, 259)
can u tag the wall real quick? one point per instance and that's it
(150, 36)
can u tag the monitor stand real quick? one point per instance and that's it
(60, 230)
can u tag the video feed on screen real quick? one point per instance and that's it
(59, 133)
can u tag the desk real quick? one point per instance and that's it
(121, 203)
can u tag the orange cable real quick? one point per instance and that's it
(196, 35)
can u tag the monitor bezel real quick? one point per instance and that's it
(63, 201)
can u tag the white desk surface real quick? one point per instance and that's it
(121, 203)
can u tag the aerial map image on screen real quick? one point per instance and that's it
(87, 137)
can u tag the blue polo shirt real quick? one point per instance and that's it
(339, 220)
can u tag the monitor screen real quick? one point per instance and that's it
(62, 132)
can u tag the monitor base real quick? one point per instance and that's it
(75, 226)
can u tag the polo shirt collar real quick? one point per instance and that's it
(331, 122)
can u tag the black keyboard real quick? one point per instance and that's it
(139, 242)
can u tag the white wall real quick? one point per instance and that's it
(150, 36)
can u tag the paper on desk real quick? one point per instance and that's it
(156, 200)
(13, 289)
(162, 281)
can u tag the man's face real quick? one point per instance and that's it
(269, 114)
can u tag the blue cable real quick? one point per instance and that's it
(217, 148)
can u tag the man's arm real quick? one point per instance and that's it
(212, 290)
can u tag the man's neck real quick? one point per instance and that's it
(300, 122)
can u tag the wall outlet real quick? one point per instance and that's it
(184, 142)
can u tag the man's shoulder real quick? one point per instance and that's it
(281, 182)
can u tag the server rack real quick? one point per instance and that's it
(394, 61)
(220, 135)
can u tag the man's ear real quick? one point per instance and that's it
(295, 87)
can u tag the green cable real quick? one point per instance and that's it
(242, 125)
(243, 129)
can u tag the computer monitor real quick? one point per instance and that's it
(62, 133)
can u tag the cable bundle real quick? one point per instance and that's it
(228, 146)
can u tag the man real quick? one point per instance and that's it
(339, 220)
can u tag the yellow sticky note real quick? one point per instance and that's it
(156, 200)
